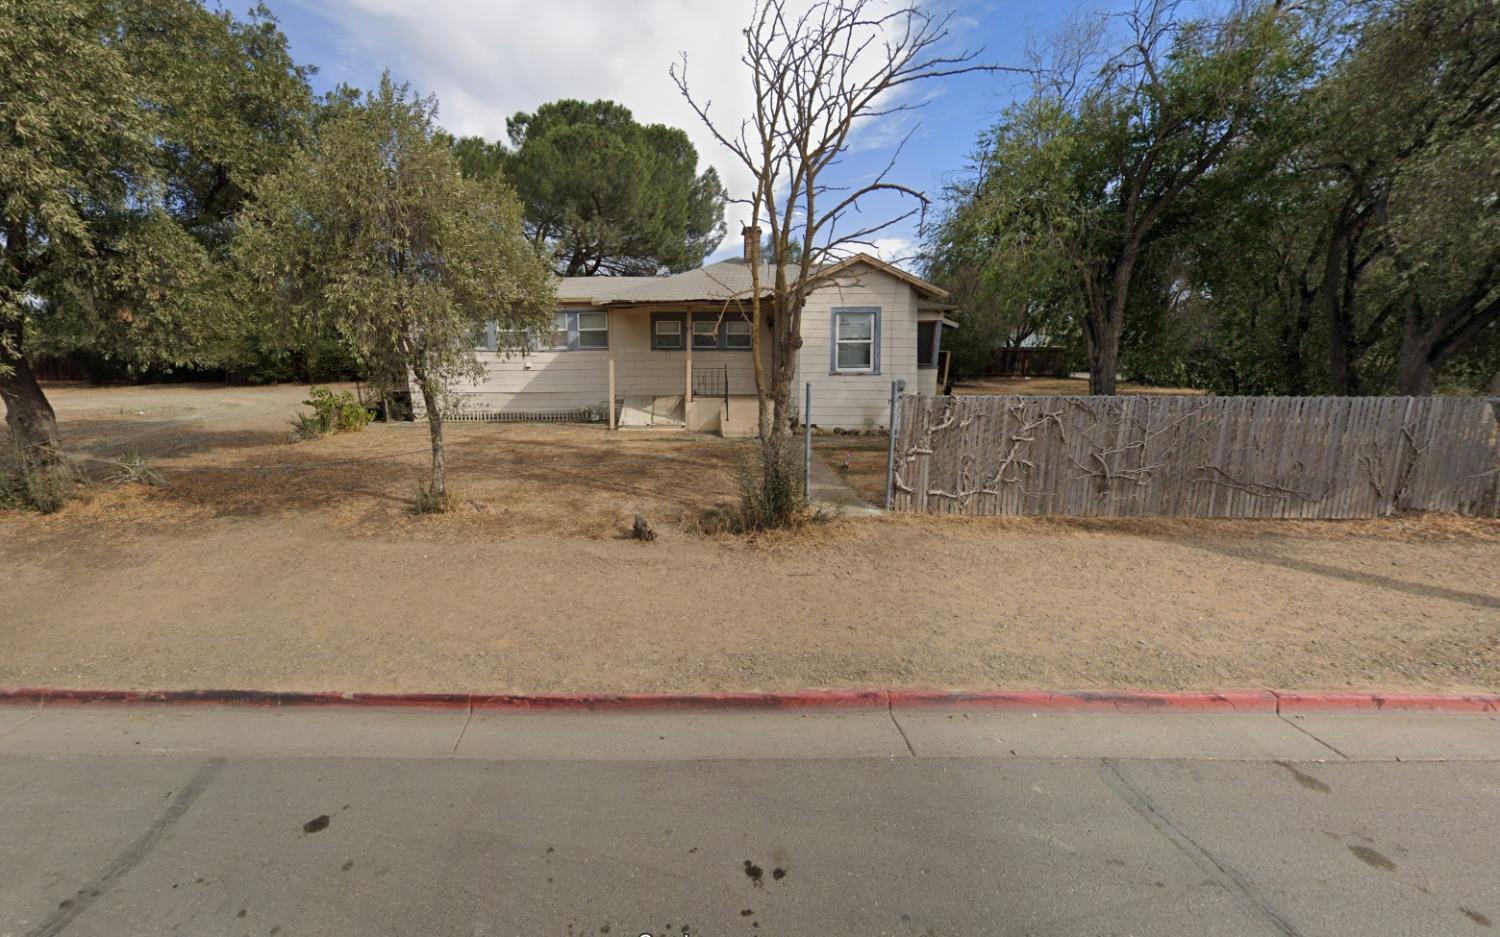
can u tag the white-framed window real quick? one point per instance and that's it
(557, 339)
(706, 333)
(593, 330)
(737, 333)
(856, 341)
(666, 334)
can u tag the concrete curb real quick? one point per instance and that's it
(1270, 701)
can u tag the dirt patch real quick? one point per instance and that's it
(223, 453)
(261, 564)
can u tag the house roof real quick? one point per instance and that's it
(725, 280)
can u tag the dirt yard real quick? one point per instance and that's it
(264, 564)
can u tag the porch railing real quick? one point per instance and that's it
(712, 382)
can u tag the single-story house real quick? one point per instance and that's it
(675, 351)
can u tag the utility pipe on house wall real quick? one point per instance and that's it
(890, 452)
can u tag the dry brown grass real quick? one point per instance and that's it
(1056, 386)
(560, 480)
(263, 564)
(1413, 528)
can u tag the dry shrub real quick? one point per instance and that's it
(30, 484)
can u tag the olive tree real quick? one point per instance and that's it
(373, 233)
(130, 136)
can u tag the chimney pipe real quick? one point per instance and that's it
(751, 234)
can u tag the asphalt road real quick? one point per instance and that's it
(207, 822)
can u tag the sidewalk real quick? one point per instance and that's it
(897, 732)
(834, 494)
(356, 822)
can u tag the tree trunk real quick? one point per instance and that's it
(1415, 375)
(1103, 360)
(439, 487)
(27, 412)
(781, 401)
(1338, 289)
(1101, 334)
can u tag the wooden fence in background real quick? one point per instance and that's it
(1197, 456)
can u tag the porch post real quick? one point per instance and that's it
(611, 402)
(687, 368)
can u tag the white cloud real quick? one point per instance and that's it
(896, 250)
(486, 61)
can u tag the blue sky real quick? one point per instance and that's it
(487, 60)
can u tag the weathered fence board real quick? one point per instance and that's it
(1197, 456)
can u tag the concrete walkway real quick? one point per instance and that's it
(831, 492)
(223, 823)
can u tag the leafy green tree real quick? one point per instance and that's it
(1410, 132)
(1007, 288)
(1094, 169)
(1367, 260)
(132, 134)
(603, 193)
(373, 233)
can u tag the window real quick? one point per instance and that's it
(484, 339)
(666, 334)
(593, 330)
(737, 333)
(575, 330)
(558, 340)
(728, 331)
(927, 339)
(706, 332)
(856, 341)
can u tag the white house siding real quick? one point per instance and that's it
(569, 380)
(854, 401)
(546, 381)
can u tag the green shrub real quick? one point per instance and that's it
(24, 485)
(332, 413)
(426, 502)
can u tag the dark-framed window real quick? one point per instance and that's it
(705, 332)
(737, 333)
(714, 331)
(668, 331)
(854, 346)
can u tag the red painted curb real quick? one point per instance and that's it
(1384, 702)
(1089, 700)
(801, 700)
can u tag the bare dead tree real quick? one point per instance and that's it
(818, 75)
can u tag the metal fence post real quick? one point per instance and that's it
(807, 444)
(890, 453)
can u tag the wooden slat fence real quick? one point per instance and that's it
(1318, 457)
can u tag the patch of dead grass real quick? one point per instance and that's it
(1416, 527)
(1056, 386)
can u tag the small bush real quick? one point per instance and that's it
(771, 490)
(24, 485)
(332, 413)
(426, 502)
(130, 469)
